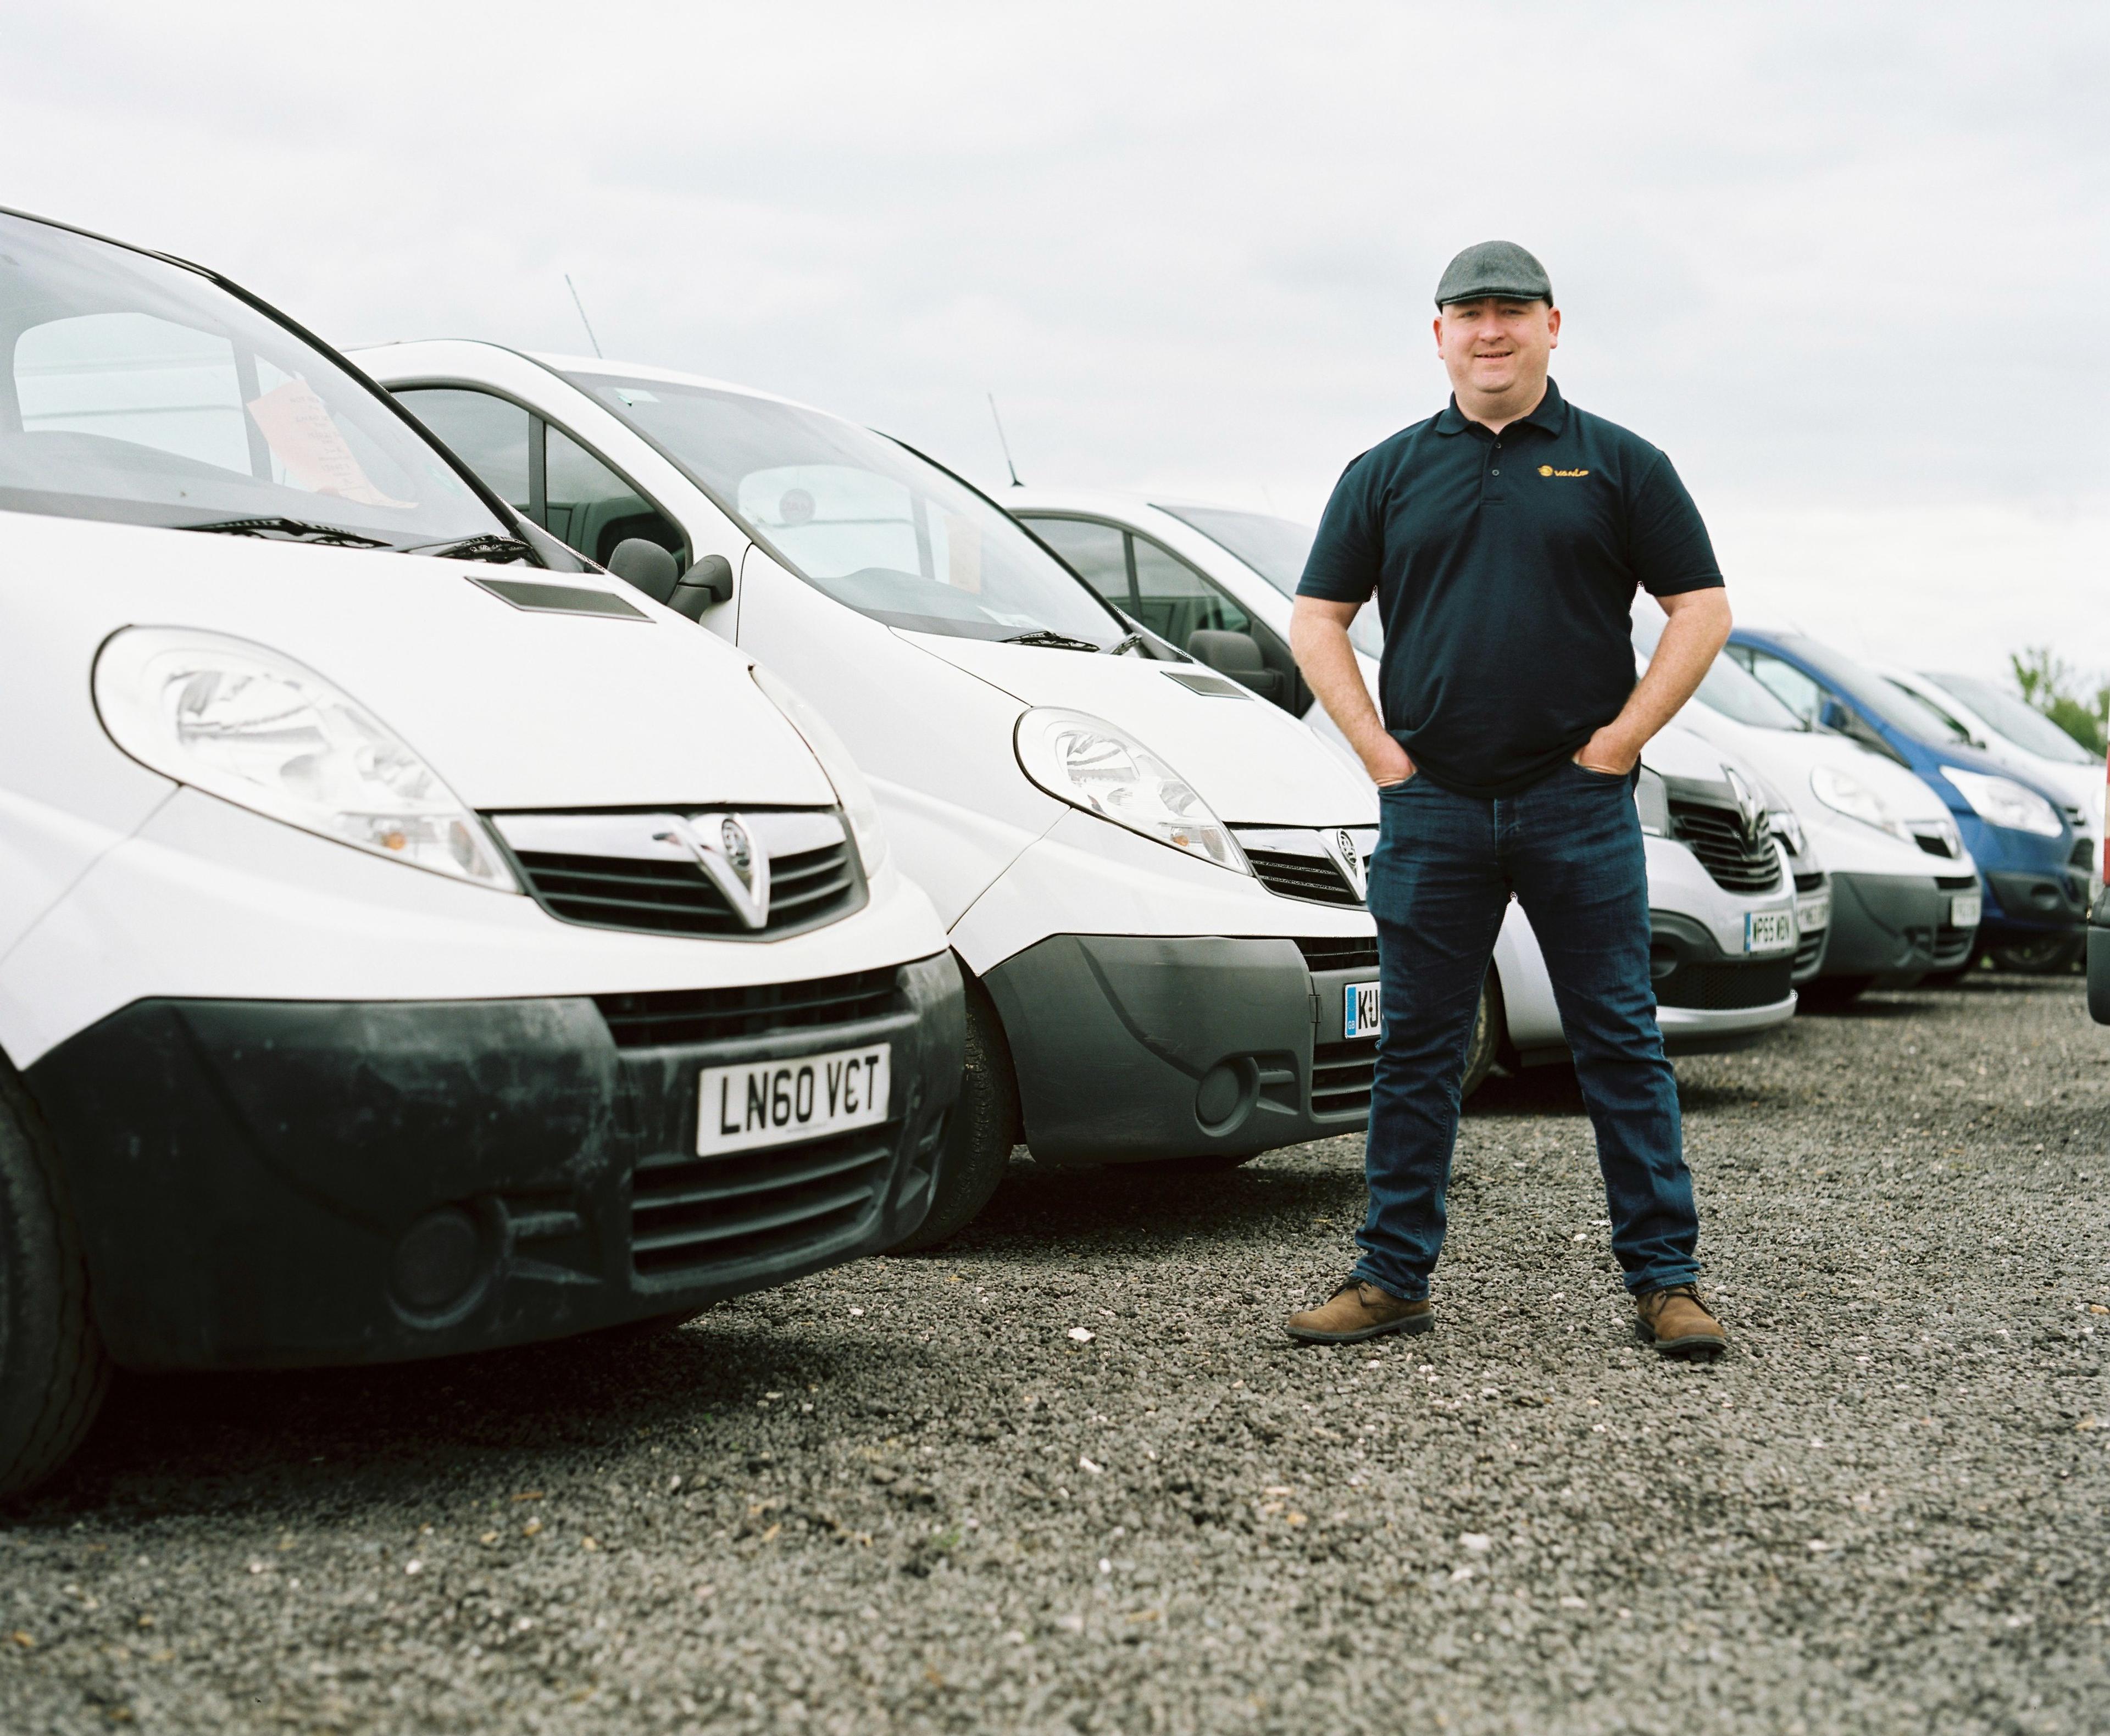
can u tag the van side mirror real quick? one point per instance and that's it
(1236, 655)
(708, 581)
(641, 562)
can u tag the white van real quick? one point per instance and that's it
(404, 947)
(1154, 881)
(1730, 935)
(1903, 890)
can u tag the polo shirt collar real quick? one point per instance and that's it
(1549, 417)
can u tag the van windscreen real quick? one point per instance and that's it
(861, 517)
(138, 390)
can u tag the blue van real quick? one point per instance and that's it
(2031, 851)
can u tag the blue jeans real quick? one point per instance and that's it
(1570, 847)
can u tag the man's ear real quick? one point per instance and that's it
(1437, 327)
(1553, 327)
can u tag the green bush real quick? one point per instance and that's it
(2054, 687)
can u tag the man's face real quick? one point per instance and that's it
(1494, 346)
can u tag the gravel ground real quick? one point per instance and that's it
(915, 1495)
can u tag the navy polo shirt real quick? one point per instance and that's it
(1505, 567)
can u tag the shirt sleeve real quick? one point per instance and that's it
(1666, 538)
(1342, 566)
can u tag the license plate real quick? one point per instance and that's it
(1814, 912)
(1360, 1012)
(775, 1103)
(1964, 910)
(1769, 931)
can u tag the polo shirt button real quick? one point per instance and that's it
(1494, 472)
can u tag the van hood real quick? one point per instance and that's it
(514, 708)
(1250, 760)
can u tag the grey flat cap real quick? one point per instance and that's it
(1494, 268)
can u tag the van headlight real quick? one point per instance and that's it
(252, 726)
(1086, 762)
(1845, 793)
(2003, 801)
(1652, 798)
(860, 807)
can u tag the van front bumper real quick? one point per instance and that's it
(271, 1183)
(1895, 927)
(1131, 1048)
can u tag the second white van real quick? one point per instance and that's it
(1154, 879)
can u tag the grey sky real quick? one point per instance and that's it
(1843, 264)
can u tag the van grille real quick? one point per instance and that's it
(1342, 1075)
(1312, 877)
(692, 1016)
(1353, 953)
(615, 892)
(690, 1212)
(1716, 835)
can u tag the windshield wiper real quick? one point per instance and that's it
(1052, 641)
(292, 530)
(499, 551)
(1133, 642)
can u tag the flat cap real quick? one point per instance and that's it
(1493, 268)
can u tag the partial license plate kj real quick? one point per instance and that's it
(1963, 910)
(1813, 912)
(1361, 1014)
(1769, 931)
(756, 1104)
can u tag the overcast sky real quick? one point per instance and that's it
(1846, 265)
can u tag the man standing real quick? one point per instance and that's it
(1504, 538)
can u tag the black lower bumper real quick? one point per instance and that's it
(1131, 1048)
(281, 1183)
(2099, 961)
(1895, 927)
(2023, 906)
(1688, 969)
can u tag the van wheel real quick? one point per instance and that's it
(2042, 954)
(980, 1133)
(53, 1371)
(1488, 1028)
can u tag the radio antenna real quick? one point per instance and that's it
(582, 307)
(1004, 443)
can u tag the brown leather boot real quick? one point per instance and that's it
(1357, 1311)
(1674, 1319)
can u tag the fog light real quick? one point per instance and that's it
(1226, 1095)
(437, 1261)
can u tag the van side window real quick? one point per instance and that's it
(548, 475)
(1173, 600)
(491, 435)
(1097, 551)
(1787, 683)
(593, 508)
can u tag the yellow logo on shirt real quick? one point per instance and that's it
(1547, 470)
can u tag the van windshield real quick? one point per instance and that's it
(2023, 724)
(136, 390)
(1727, 687)
(862, 518)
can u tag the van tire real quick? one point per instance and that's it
(979, 1131)
(53, 1369)
(1489, 1027)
